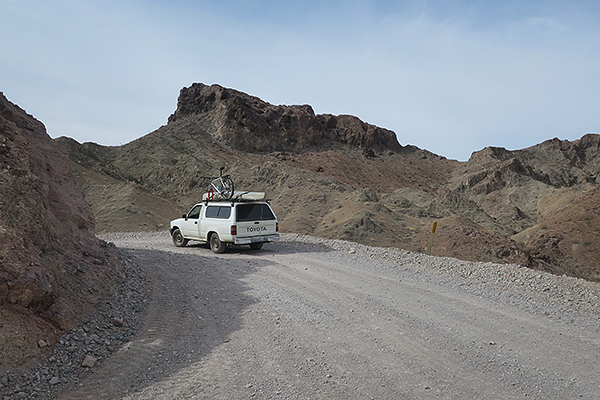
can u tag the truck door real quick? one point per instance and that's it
(190, 227)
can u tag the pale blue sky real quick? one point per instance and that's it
(448, 76)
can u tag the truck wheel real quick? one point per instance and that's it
(215, 244)
(178, 239)
(256, 246)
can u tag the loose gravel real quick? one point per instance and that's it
(88, 344)
(538, 291)
(568, 301)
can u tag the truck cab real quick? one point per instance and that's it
(227, 223)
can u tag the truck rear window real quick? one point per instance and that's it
(254, 212)
(218, 212)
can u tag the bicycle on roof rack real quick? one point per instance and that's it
(220, 186)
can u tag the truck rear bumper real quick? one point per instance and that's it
(256, 239)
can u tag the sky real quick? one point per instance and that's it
(449, 76)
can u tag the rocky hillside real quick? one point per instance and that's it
(53, 270)
(251, 125)
(338, 177)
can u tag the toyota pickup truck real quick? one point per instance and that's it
(227, 223)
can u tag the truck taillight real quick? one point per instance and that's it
(276, 226)
(233, 230)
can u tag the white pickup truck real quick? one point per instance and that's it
(226, 223)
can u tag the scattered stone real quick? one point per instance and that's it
(116, 321)
(42, 343)
(63, 366)
(89, 361)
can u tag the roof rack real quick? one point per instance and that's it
(237, 196)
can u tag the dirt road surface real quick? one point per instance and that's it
(310, 318)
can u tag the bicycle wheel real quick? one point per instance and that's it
(227, 189)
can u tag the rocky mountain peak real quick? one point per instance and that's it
(248, 123)
(495, 153)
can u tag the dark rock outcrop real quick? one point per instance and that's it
(249, 124)
(554, 162)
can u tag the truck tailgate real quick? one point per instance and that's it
(256, 223)
(256, 228)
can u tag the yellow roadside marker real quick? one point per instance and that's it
(430, 244)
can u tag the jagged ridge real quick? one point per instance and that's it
(249, 124)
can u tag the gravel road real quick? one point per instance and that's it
(311, 318)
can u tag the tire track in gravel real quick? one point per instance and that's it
(300, 320)
(477, 347)
(166, 318)
(385, 353)
(180, 326)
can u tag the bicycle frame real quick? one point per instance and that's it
(221, 185)
(218, 183)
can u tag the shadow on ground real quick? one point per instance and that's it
(196, 302)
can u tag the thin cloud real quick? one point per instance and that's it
(451, 77)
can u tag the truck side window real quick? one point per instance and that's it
(223, 212)
(195, 212)
(212, 211)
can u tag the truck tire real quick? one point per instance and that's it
(216, 245)
(178, 239)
